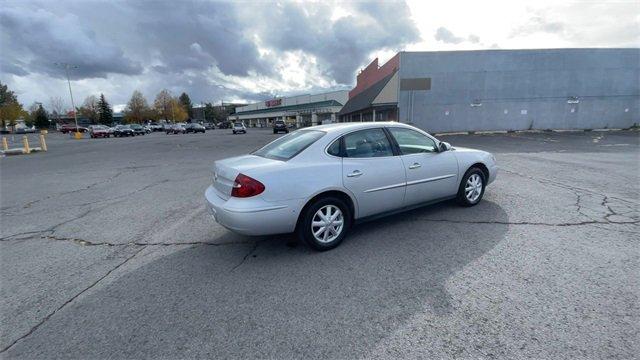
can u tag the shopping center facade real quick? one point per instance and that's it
(298, 111)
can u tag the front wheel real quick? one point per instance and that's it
(325, 223)
(471, 187)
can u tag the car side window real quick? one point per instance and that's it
(334, 149)
(413, 142)
(367, 143)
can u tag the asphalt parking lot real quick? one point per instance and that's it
(107, 252)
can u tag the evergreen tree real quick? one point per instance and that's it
(41, 119)
(185, 101)
(105, 114)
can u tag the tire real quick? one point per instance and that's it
(468, 192)
(305, 230)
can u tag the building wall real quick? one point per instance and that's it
(389, 93)
(340, 96)
(372, 74)
(522, 89)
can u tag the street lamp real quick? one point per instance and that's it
(68, 66)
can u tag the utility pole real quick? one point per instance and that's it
(68, 66)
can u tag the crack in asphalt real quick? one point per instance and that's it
(580, 223)
(46, 318)
(251, 251)
(565, 186)
(84, 242)
(88, 187)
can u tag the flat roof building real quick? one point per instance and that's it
(301, 110)
(447, 91)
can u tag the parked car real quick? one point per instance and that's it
(176, 129)
(239, 128)
(147, 129)
(137, 129)
(25, 130)
(319, 181)
(209, 126)
(194, 128)
(155, 127)
(280, 125)
(68, 128)
(96, 131)
(123, 130)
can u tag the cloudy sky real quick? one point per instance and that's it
(253, 50)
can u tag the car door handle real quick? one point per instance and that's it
(414, 166)
(355, 173)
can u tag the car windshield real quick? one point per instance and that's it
(290, 145)
(237, 125)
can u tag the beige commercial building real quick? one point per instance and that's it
(301, 110)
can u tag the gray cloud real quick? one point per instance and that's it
(341, 46)
(44, 38)
(192, 46)
(538, 24)
(473, 39)
(446, 36)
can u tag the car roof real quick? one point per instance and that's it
(350, 126)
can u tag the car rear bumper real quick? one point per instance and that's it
(252, 216)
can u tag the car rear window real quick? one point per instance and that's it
(290, 145)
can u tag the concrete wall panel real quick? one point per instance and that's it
(470, 90)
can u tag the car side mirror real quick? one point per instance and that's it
(444, 146)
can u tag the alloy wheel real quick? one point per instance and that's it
(327, 224)
(473, 188)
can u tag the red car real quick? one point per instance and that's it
(96, 131)
(67, 128)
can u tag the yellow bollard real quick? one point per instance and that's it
(78, 135)
(43, 143)
(5, 146)
(44, 131)
(25, 142)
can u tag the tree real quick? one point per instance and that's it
(105, 113)
(209, 113)
(178, 112)
(32, 113)
(162, 104)
(41, 120)
(10, 109)
(185, 101)
(57, 107)
(137, 110)
(89, 109)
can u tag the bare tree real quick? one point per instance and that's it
(57, 107)
(90, 109)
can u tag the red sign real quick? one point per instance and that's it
(273, 102)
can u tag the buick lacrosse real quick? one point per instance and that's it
(318, 181)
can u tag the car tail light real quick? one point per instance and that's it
(245, 186)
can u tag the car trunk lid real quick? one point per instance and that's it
(225, 171)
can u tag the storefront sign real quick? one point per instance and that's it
(273, 102)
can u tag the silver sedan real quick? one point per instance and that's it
(319, 181)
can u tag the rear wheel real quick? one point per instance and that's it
(471, 187)
(325, 223)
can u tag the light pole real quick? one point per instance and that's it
(68, 66)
